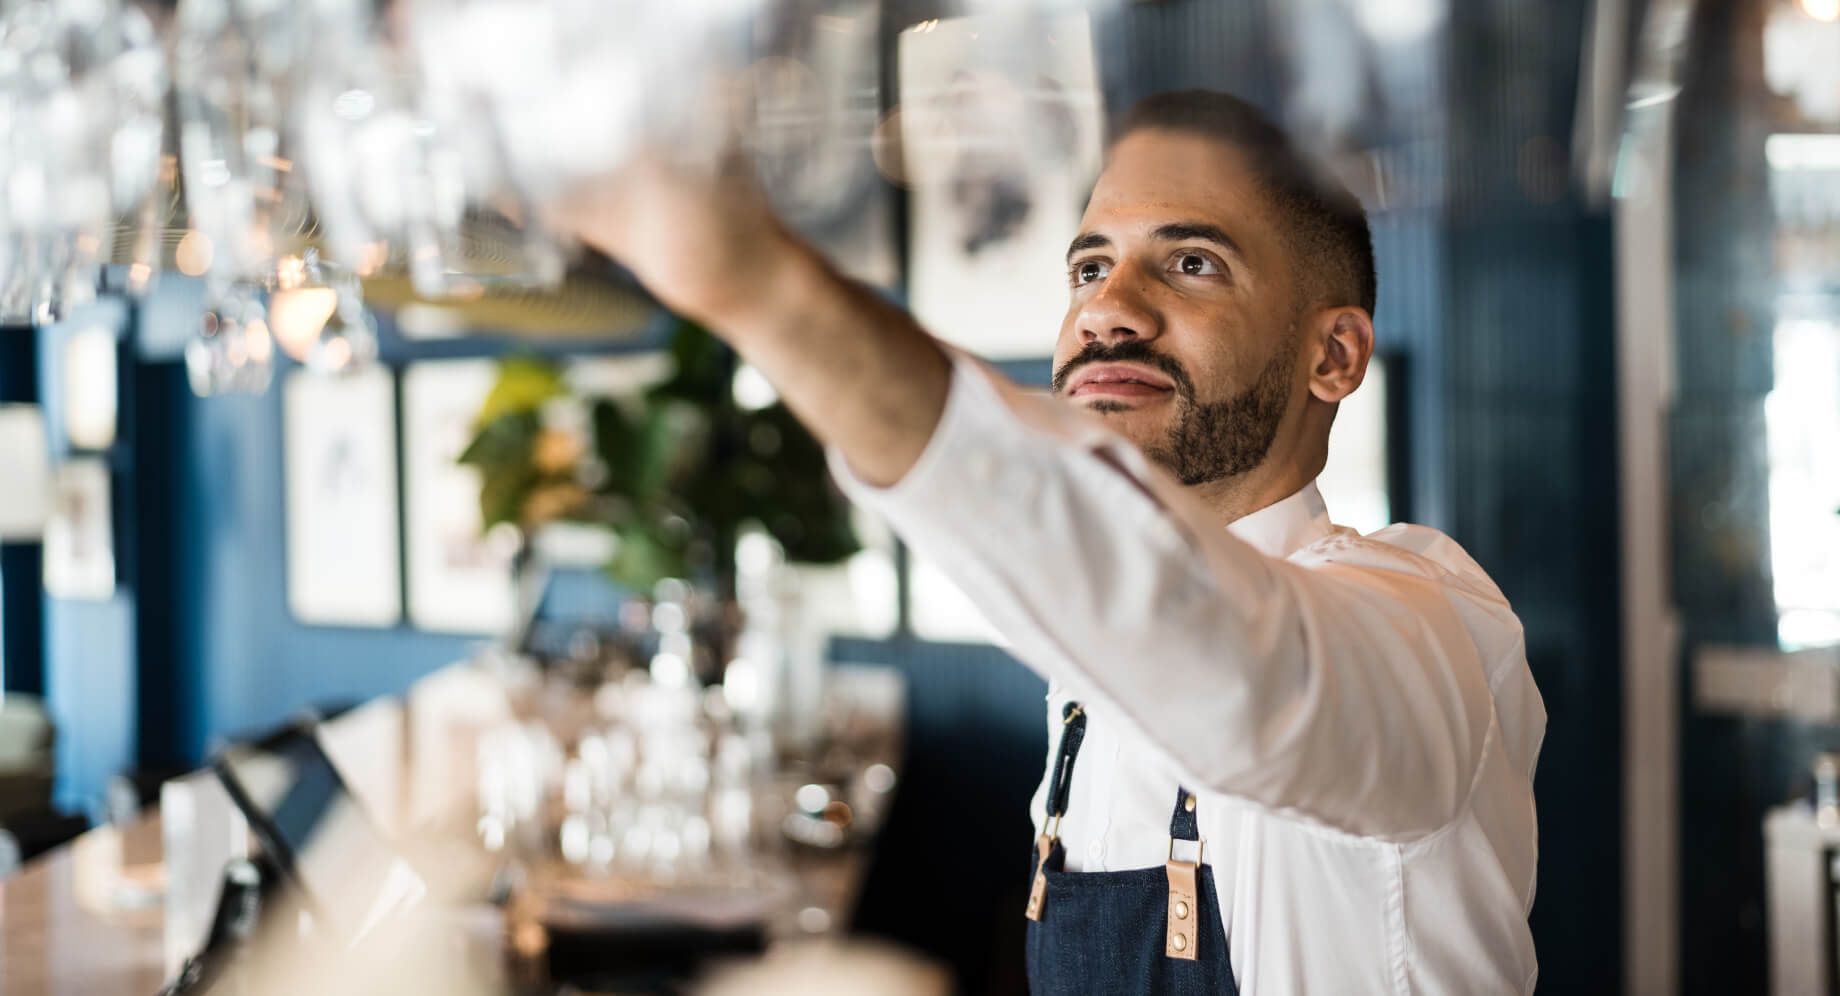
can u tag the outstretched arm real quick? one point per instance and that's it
(1355, 694)
(867, 380)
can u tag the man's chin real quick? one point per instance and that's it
(1134, 422)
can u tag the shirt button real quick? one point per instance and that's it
(1094, 851)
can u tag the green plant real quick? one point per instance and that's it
(675, 473)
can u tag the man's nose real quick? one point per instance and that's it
(1120, 310)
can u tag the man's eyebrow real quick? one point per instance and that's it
(1088, 240)
(1188, 231)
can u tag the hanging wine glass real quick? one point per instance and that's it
(236, 67)
(81, 85)
(393, 180)
(316, 314)
(233, 352)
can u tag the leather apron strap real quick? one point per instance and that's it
(1181, 935)
(1060, 783)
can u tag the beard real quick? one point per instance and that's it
(1208, 441)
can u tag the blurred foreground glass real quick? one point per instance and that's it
(81, 91)
(403, 174)
(316, 314)
(236, 66)
(234, 351)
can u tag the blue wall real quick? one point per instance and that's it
(90, 674)
(198, 644)
(242, 658)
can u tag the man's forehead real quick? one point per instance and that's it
(1153, 176)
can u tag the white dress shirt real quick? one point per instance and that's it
(1354, 713)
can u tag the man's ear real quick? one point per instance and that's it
(1344, 341)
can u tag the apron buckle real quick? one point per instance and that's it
(1182, 931)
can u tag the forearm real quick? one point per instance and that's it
(859, 371)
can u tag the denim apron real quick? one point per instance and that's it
(1146, 930)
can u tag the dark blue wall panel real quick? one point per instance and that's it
(91, 673)
(21, 604)
(252, 663)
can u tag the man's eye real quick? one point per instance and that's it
(1087, 271)
(1195, 264)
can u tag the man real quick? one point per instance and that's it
(1286, 758)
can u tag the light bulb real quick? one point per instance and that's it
(298, 316)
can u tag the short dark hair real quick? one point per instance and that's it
(1324, 226)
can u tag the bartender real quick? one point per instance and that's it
(1283, 757)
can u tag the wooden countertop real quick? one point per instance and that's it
(57, 933)
(88, 917)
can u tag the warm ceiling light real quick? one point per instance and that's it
(193, 254)
(1822, 10)
(298, 316)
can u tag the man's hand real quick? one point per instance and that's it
(855, 369)
(700, 237)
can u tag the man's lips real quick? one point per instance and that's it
(1118, 380)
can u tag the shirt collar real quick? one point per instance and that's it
(1287, 525)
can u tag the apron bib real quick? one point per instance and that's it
(1144, 930)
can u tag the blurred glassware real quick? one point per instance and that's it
(233, 352)
(566, 89)
(400, 173)
(236, 64)
(317, 316)
(81, 90)
(519, 764)
(424, 134)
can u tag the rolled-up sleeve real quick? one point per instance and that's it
(1323, 687)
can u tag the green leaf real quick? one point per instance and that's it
(503, 442)
(645, 556)
(524, 384)
(672, 447)
(704, 368)
(502, 494)
(616, 442)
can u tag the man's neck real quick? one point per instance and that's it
(1241, 495)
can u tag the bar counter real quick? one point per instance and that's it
(117, 910)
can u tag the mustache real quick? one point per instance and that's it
(1127, 351)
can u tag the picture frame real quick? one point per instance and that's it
(1002, 134)
(460, 579)
(344, 547)
(80, 532)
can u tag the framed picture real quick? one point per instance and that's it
(25, 501)
(460, 580)
(344, 560)
(80, 533)
(814, 103)
(1001, 129)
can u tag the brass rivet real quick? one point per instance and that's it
(1189, 803)
(1181, 943)
(1181, 911)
